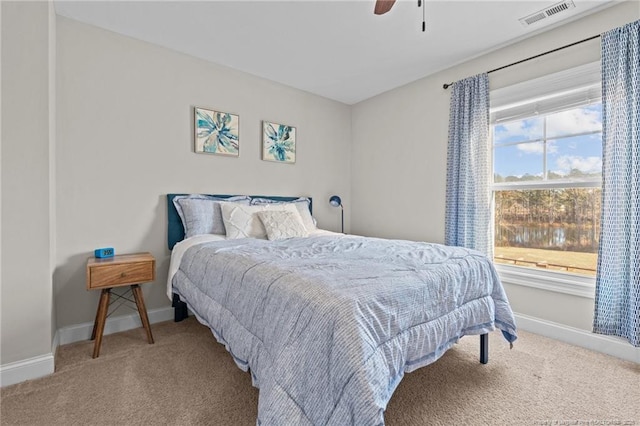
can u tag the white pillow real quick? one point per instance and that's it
(282, 224)
(242, 221)
(302, 204)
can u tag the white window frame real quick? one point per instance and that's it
(554, 281)
(572, 85)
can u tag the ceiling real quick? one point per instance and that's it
(333, 48)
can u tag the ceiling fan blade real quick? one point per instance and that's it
(383, 6)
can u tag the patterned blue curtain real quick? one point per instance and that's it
(617, 308)
(468, 200)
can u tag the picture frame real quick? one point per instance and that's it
(278, 142)
(216, 132)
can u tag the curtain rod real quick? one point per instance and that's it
(446, 85)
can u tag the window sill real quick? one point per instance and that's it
(559, 282)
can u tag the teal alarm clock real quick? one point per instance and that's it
(102, 253)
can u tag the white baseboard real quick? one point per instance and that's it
(79, 332)
(596, 342)
(40, 366)
(27, 369)
(44, 365)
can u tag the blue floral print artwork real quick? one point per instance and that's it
(216, 132)
(278, 142)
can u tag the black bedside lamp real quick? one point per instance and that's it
(335, 201)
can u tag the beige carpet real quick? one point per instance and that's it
(187, 378)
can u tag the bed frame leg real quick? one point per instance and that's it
(484, 348)
(179, 309)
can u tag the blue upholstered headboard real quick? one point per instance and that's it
(175, 229)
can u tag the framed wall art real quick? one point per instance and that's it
(278, 142)
(216, 132)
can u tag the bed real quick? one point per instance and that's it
(328, 324)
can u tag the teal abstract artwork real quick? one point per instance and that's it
(278, 142)
(216, 132)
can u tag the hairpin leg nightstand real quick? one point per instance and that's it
(118, 271)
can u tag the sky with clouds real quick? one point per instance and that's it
(564, 151)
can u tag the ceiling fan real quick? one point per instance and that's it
(383, 6)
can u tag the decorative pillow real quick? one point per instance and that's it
(242, 221)
(201, 214)
(282, 224)
(302, 204)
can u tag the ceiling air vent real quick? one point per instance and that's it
(546, 13)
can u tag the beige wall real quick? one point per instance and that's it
(125, 139)
(399, 165)
(27, 156)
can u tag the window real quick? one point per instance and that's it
(547, 165)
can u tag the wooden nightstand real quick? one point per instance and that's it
(119, 271)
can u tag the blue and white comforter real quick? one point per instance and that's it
(329, 325)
